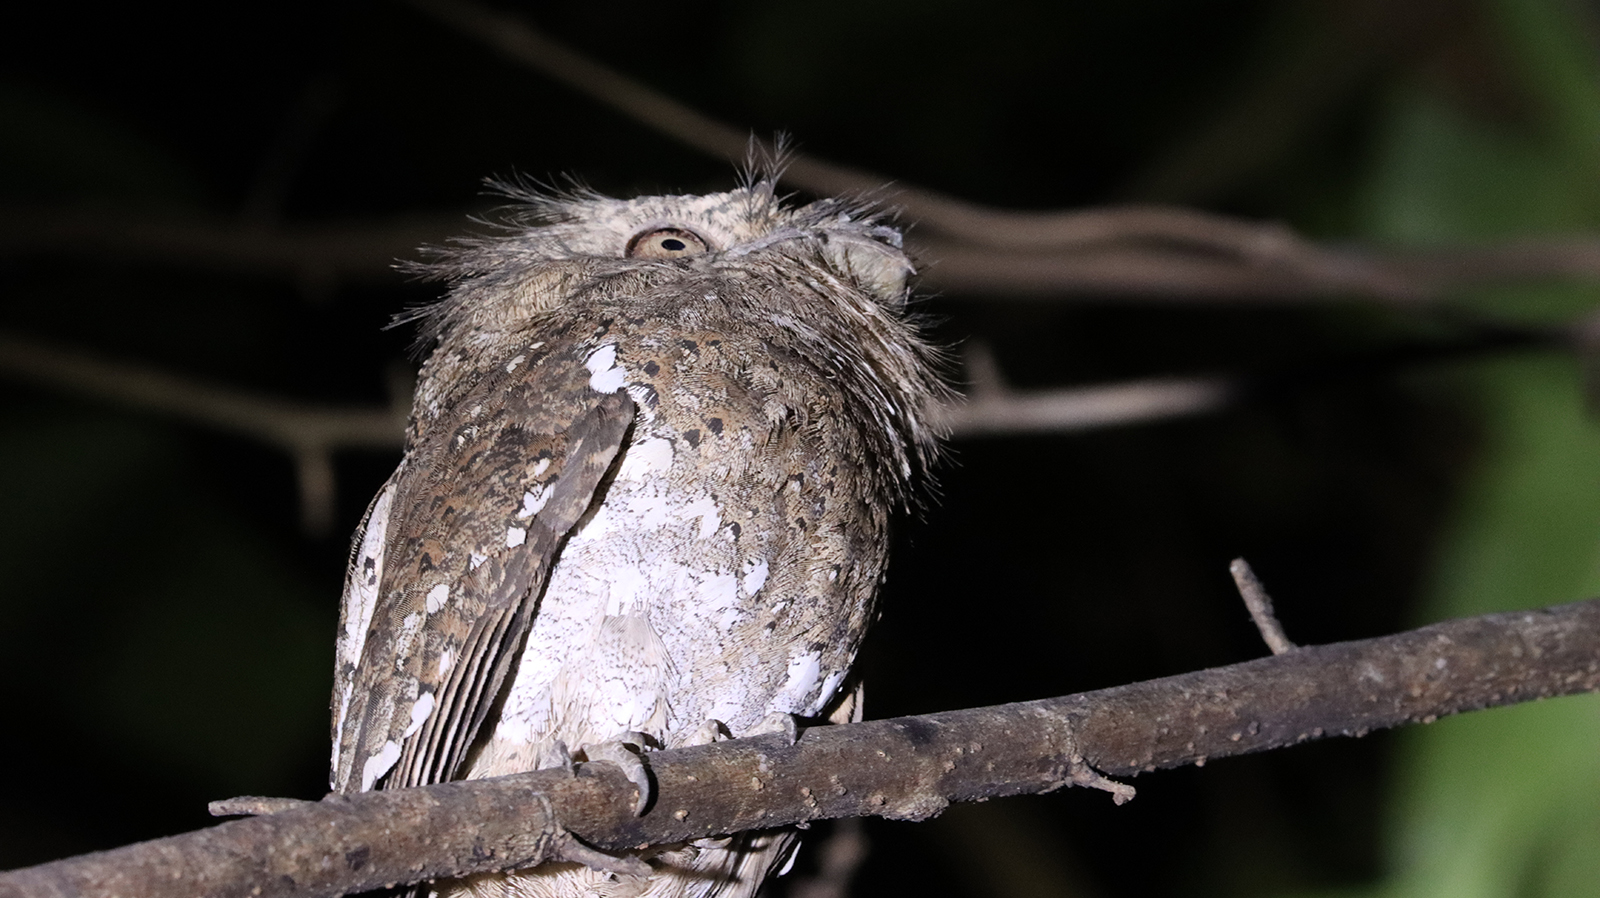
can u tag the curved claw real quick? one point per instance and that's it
(570, 849)
(564, 846)
(624, 754)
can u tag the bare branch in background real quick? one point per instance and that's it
(1152, 253)
(307, 254)
(991, 408)
(1293, 272)
(1086, 408)
(312, 433)
(1232, 256)
(309, 433)
(315, 255)
(969, 222)
(907, 768)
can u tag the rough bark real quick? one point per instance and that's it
(905, 768)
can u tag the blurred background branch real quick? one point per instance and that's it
(310, 434)
(1125, 259)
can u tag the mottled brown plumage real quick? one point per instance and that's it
(646, 490)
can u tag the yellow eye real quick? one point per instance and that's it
(665, 243)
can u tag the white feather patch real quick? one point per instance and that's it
(379, 764)
(604, 375)
(362, 582)
(830, 687)
(755, 576)
(645, 460)
(533, 501)
(799, 689)
(419, 714)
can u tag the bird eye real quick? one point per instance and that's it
(665, 243)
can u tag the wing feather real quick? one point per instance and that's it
(360, 599)
(476, 519)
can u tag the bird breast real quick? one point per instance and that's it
(709, 581)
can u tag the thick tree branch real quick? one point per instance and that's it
(906, 768)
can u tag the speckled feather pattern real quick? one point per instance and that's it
(638, 495)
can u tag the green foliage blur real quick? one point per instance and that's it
(1505, 803)
(168, 626)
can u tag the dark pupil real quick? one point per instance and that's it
(672, 244)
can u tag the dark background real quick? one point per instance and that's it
(167, 625)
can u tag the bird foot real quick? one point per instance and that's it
(560, 845)
(554, 755)
(707, 733)
(626, 752)
(779, 722)
(567, 847)
(563, 845)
